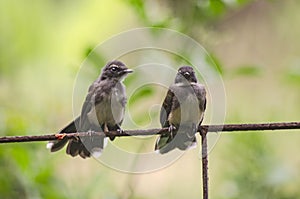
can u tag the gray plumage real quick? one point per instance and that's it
(182, 111)
(102, 110)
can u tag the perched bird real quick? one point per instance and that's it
(182, 111)
(103, 110)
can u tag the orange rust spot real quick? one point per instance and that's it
(60, 136)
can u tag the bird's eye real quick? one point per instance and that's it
(113, 69)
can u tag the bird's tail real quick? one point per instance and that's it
(87, 146)
(59, 144)
(183, 139)
(83, 146)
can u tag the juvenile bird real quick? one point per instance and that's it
(182, 111)
(103, 110)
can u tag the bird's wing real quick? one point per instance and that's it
(97, 92)
(166, 108)
(72, 127)
(200, 92)
(87, 107)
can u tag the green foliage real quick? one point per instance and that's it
(96, 59)
(213, 61)
(216, 8)
(247, 71)
(139, 7)
(186, 14)
(12, 186)
(292, 74)
(138, 101)
(251, 164)
(25, 175)
(42, 44)
(141, 94)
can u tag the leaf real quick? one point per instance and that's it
(217, 7)
(139, 6)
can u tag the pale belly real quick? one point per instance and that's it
(188, 112)
(108, 112)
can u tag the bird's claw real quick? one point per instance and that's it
(171, 129)
(120, 131)
(90, 132)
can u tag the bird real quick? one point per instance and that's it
(103, 110)
(182, 112)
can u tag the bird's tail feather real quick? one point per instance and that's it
(82, 146)
(76, 147)
(59, 144)
(183, 139)
(87, 146)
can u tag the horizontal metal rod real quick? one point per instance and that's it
(145, 132)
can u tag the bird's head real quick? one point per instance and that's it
(115, 70)
(185, 75)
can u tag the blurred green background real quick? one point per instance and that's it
(256, 45)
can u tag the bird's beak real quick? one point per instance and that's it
(187, 74)
(128, 70)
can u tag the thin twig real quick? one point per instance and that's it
(209, 128)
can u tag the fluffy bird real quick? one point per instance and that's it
(103, 110)
(182, 111)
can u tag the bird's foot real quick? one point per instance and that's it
(60, 136)
(171, 130)
(91, 132)
(120, 131)
(105, 129)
